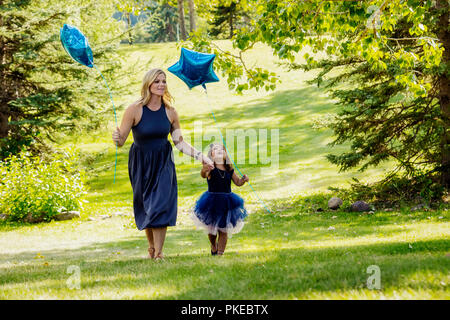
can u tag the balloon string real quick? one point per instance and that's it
(225, 145)
(115, 116)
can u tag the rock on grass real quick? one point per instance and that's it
(360, 206)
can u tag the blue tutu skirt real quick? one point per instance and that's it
(222, 211)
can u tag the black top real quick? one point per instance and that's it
(220, 180)
(154, 126)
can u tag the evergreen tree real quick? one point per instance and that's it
(226, 16)
(161, 27)
(391, 74)
(42, 90)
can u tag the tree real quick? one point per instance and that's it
(181, 22)
(393, 56)
(130, 8)
(160, 26)
(192, 19)
(227, 14)
(42, 90)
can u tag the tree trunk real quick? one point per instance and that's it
(192, 23)
(4, 108)
(130, 36)
(181, 19)
(444, 90)
(4, 115)
(172, 36)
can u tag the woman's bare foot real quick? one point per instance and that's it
(151, 253)
(159, 257)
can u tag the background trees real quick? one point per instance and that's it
(387, 63)
(228, 16)
(42, 90)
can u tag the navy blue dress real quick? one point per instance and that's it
(151, 169)
(219, 208)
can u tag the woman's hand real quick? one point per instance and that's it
(207, 163)
(245, 178)
(116, 136)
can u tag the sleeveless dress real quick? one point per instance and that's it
(219, 208)
(151, 169)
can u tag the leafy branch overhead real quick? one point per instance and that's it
(393, 55)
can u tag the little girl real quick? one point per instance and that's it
(218, 210)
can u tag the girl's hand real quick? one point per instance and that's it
(245, 178)
(207, 163)
(116, 136)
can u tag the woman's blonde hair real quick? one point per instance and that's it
(227, 163)
(146, 94)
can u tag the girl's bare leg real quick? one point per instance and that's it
(151, 244)
(159, 235)
(222, 243)
(212, 238)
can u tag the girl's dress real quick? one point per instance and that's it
(219, 208)
(152, 171)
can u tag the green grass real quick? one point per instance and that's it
(289, 254)
(286, 255)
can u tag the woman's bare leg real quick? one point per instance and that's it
(222, 243)
(159, 235)
(212, 239)
(151, 244)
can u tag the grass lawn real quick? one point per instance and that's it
(292, 253)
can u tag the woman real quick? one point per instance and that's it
(150, 164)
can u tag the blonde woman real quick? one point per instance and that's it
(150, 164)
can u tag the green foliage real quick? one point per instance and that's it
(239, 76)
(39, 186)
(382, 60)
(227, 17)
(396, 190)
(161, 27)
(43, 91)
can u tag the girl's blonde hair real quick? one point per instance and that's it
(146, 94)
(227, 163)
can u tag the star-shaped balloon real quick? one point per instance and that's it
(194, 68)
(76, 45)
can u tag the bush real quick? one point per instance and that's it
(395, 189)
(32, 186)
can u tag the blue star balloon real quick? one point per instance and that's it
(194, 68)
(76, 45)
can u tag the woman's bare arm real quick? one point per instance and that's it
(182, 145)
(120, 135)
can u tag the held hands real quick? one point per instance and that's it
(207, 163)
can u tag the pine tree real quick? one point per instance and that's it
(386, 62)
(42, 90)
(226, 16)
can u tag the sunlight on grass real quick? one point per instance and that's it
(291, 253)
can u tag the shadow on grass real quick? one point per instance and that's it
(258, 273)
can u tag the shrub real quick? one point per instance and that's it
(395, 189)
(33, 186)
